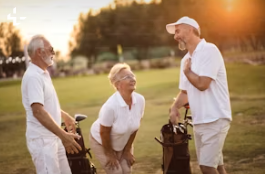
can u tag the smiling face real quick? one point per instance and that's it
(126, 81)
(47, 53)
(182, 33)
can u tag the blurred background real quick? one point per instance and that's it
(89, 37)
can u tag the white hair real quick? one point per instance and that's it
(115, 70)
(35, 43)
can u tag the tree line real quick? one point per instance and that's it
(140, 27)
(134, 24)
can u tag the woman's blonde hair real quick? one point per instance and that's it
(115, 70)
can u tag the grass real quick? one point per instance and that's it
(244, 148)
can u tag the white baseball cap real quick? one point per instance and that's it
(184, 20)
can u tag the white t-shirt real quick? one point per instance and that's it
(213, 103)
(37, 87)
(115, 113)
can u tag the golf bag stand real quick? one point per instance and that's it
(175, 143)
(79, 162)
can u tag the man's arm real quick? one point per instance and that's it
(181, 100)
(68, 121)
(200, 82)
(47, 121)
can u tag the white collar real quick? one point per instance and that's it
(37, 68)
(121, 100)
(198, 47)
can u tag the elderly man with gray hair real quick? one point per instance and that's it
(46, 140)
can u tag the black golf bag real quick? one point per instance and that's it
(175, 143)
(79, 162)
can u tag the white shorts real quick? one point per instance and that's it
(209, 142)
(48, 155)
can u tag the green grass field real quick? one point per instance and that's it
(244, 150)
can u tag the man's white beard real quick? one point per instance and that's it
(48, 60)
(182, 45)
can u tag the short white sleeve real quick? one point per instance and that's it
(143, 107)
(182, 78)
(35, 91)
(211, 63)
(106, 116)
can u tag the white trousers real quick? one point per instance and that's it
(48, 155)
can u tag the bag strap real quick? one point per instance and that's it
(172, 144)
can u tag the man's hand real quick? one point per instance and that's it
(69, 122)
(187, 65)
(174, 115)
(112, 162)
(128, 156)
(71, 146)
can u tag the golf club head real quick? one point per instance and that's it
(80, 117)
(182, 128)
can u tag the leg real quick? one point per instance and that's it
(208, 170)
(126, 169)
(101, 157)
(63, 161)
(212, 140)
(221, 169)
(43, 152)
(198, 143)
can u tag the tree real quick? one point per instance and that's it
(86, 39)
(134, 24)
(10, 40)
(10, 46)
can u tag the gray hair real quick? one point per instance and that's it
(35, 43)
(197, 32)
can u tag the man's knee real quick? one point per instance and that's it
(208, 170)
(221, 169)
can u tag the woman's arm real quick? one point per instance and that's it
(105, 138)
(128, 146)
(127, 153)
(108, 150)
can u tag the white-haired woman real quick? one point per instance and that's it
(113, 133)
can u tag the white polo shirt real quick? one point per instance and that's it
(213, 103)
(37, 87)
(115, 113)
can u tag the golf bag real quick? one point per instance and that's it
(175, 143)
(79, 162)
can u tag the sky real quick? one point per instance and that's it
(54, 19)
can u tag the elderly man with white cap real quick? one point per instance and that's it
(202, 83)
